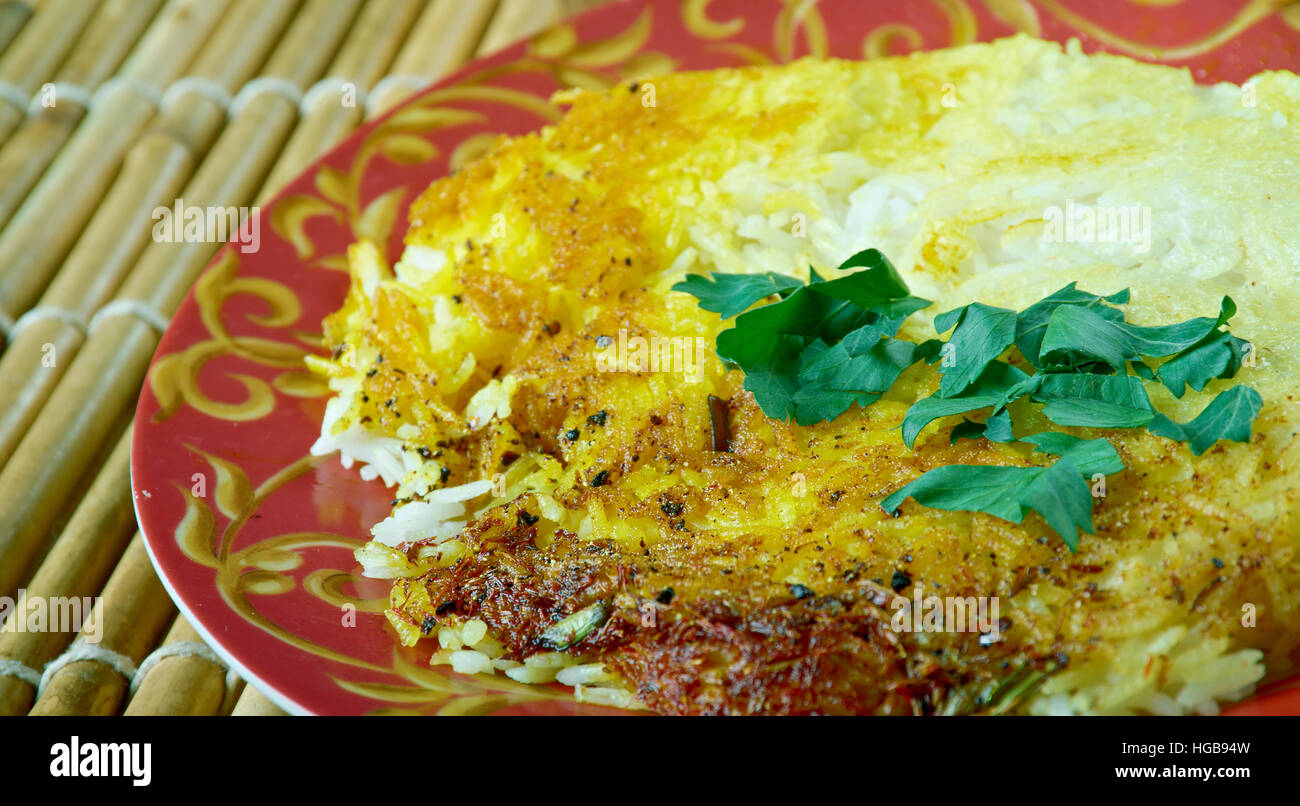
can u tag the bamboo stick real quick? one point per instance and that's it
(191, 673)
(379, 31)
(50, 219)
(158, 701)
(31, 368)
(99, 51)
(297, 59)
(234, 169)
(34, 484)
(132, 611)
(76, 566)
(516, 19)
(187, 683)
(13, 16)
(370, 47)
(184, 684)
(156, 170)
(254, 703)
(445, 36)
(104, 377)
(37, 51)
(448, 37)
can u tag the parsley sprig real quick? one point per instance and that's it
(825, 345)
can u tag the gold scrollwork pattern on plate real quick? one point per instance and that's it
(265, 568)
(175, 376)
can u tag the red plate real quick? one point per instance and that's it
(253, 537)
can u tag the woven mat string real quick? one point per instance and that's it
(128, 307)
(117, 83)
(79, 650)
(62, 91)
(13, 95)
(47, 312)
(186, 649)
(326, 85)
(20, 670)
(400, 81)
(263, 84)
(203, 86)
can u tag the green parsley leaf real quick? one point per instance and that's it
(1228, 416)
(770, 365)
(1099, 401)
(1216, 356)
(833, 378)
(1091, 456)
(982, 334)
(995, 428)
(880, 288)
(1058, 493)
(1077, 336)
(860, 309)
(966, 429)
(1142, 370)
(1031, 323)
(998, 385)
(730, 294)
(830, 344)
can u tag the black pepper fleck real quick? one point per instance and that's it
(900, 580)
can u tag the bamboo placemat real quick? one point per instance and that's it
(107, 110)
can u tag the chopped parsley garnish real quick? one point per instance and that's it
(825, 345)
(1228, 416)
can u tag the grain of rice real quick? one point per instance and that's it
(473, 631)
(531, 674)
(549, 660)
(598, 695)
(468, 661)
(584, 674)
(449, 638)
